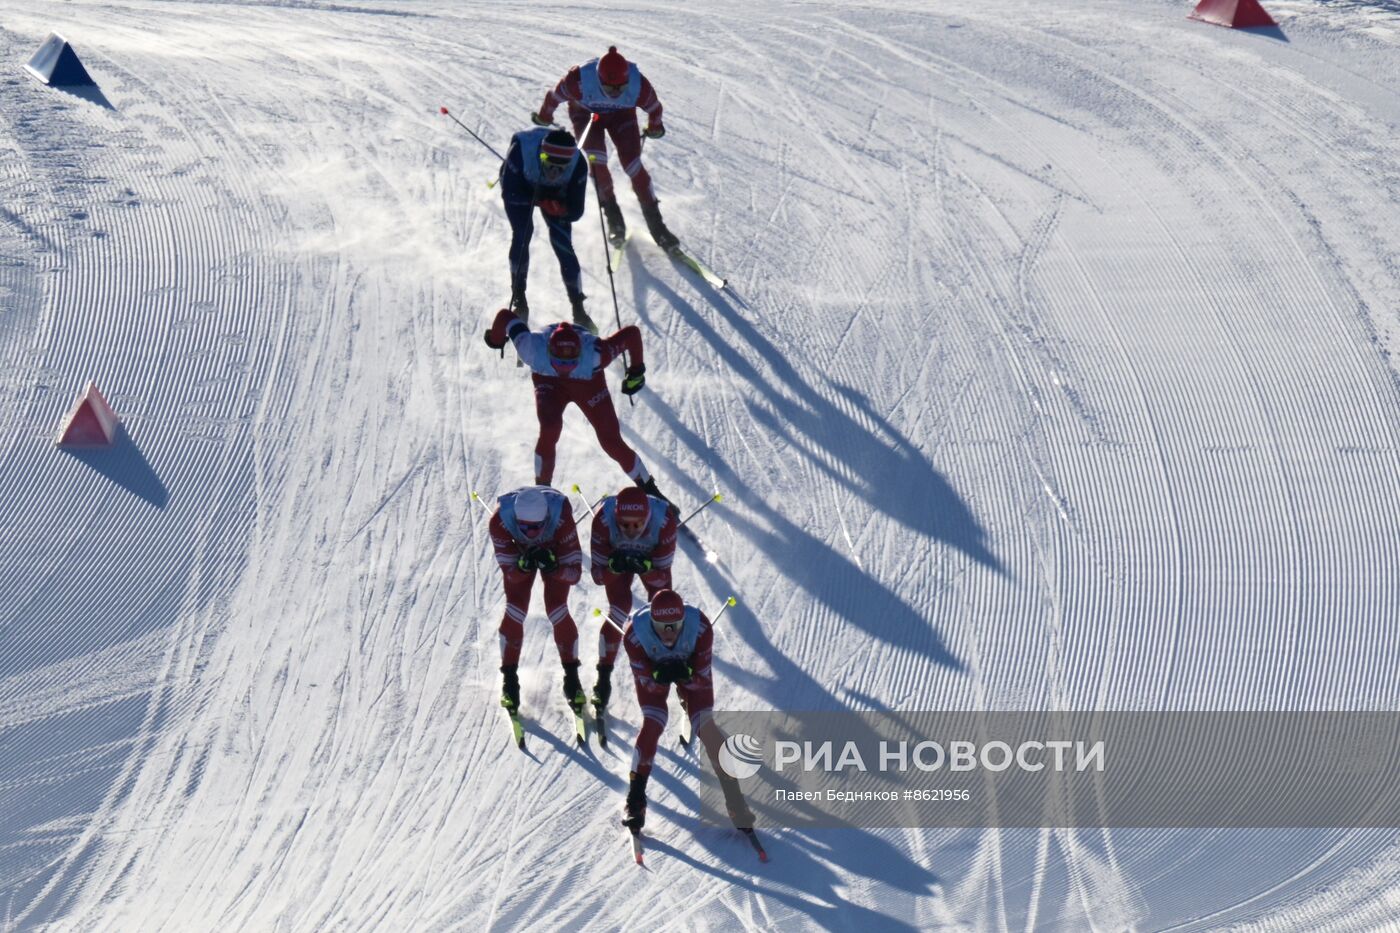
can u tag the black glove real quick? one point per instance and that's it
(672, 672)
(493, 344)
(634, 379)
(525, 563)
(544, 559)
(654, 132)
(623, 562)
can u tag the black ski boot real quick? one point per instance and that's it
(649, 487)
(520, 306)
(602, 690)
(635, 809)
(510, 688)
(657, 227)
(573, 690)
(617, 227)
(581, 317)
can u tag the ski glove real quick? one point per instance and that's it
(544, 559)
(654, 132)
(634, 379)
(525, 563)
(493, 344)
(629, 563)
(672, 672)
(554, 208)
(539, 120)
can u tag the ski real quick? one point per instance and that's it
(517, 729)
(636, 844)
(698, 267)
(580, 726)
(619, 249)
(600, 723)
(752, 837)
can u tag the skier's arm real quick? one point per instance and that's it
(641, 670)
(659, 577)
(601, 546)
(701, 659)
(569, 88)
(566, 546)
(505, 327)
(628, 340)
(515, 189)
(577, 190)
(649, 102)
(507, 551)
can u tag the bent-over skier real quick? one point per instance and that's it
(634, 535)
(567, 366)
(669, 643)
(533, 533)
(544, 169)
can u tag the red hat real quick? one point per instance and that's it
(612, 67)
(564, 342)
(667, 606)
(633, 503)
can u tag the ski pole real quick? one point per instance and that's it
(717, 497)
(443, 111)
(477, 500)
(607, 257)
(731, 601)
(590, 508)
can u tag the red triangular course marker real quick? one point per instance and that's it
(91, 423)
(1238, 14)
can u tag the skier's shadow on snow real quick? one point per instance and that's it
(799, 861)
(893, 476)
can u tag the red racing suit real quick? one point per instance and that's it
(558, 536)
(616, 116)
(584, 386)
(697, 694)
(656, 543)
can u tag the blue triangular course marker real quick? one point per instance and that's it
(57, 65)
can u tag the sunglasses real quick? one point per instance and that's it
(613, 88)
(670, 627)
(563, 362)
(631, 525)
(531, 528)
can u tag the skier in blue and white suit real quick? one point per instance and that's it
(544, 169)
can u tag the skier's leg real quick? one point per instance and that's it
(600, 413)
(550, 400)
(652, 700)
(619, 591)
(522, 228)
(556, 603)
(561, 237)
(627, 140)
(512, 630)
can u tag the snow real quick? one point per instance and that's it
(1057, 369)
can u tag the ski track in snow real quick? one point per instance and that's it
(1055, 371)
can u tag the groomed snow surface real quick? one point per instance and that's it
(1056, 371)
